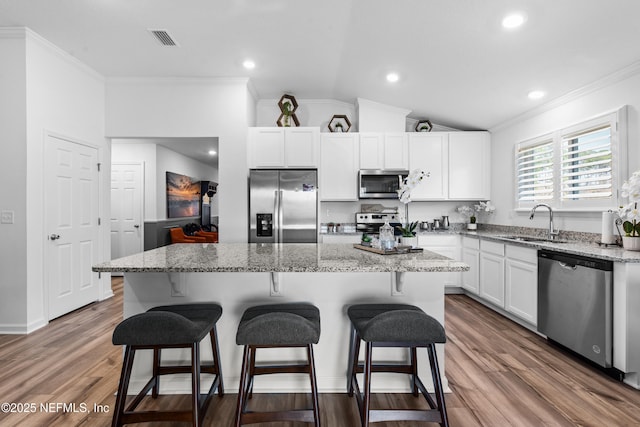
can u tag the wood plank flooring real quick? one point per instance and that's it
(500, 375)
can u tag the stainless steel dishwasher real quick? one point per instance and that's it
(575, 304)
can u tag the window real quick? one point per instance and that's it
(579, 167)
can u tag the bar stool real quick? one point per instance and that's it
(395, 325)
(177, 326)
(277, 326)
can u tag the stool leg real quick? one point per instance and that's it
(156, 370)
(367, 384)
(414, 370)
(354, 361)
(243, 384)
(195, 384)
(123, 387)
(215, 349)
(252, 372)
(314, 385)
(352, 345)
(437, 384)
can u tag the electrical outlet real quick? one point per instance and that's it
(6, 217)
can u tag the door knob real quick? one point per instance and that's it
(136, 226)
(54, 237)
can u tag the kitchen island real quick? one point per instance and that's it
(239, 275)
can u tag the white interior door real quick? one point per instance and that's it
(71, 212)
(126, 209)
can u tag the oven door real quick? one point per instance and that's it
(380, 184)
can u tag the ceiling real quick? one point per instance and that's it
(457, 65)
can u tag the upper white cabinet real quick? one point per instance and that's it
(384, 150)
(469, 164)
(429, 153)
(273, 147)
(339, 166)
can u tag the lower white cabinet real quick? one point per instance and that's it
(471, 256)
(521, 283)
(492, 272)
(447, 245)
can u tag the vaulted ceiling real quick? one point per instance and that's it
(456, 64)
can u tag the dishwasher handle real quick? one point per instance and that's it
(567, 266)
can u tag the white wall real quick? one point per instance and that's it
(142, 108)
(13, 167)
(43, 90)
(596, 100)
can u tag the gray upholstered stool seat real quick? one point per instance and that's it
(395, 325)
(179, 326)
(279, 325)
(270, 326)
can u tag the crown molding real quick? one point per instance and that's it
(606, 81)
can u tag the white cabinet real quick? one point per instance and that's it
(447, 245)
(492, 272)
(338, 172)
(471, 257)
(272, 147)
(429, 152)
(469, 164)
(521, 283)
(384, 150)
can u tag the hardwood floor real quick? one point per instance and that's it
(500, 375)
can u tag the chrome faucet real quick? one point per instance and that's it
(552, 233)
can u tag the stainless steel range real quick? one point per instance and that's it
(370, 222)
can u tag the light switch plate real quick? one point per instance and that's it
(6, 217)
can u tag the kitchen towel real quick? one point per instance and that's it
(608, 235)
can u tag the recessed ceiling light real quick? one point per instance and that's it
(536, 94)
(212, 152)
(513, 20)
(392, 77)
(249, 64)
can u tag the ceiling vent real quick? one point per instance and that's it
(163, 37)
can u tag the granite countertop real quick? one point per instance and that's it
(288, 257)
(575, 247)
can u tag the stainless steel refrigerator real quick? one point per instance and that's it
(283, 206)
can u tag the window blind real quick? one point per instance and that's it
(586, 165)
(535, 171)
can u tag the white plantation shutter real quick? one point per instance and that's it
(586, 165)
(534, 170)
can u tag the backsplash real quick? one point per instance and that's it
(540, 232)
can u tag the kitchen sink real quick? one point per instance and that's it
(532, 239)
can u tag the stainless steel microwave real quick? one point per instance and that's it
(380, 184)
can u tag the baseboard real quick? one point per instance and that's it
(22, 329)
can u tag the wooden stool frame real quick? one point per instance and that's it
(438, 411)
(249, 370)
(199, 402)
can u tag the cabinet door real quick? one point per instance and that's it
(371, 150)
(396, 152)
(470, 279)
(338, 167)
(492, 278)
(429, 152)
(301, 147)
(447, 245)
(521, 283)
(469, 164)
(266, 147)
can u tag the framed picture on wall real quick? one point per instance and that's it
(183, 196)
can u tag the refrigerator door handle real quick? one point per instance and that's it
(276, 216)
(280, 215)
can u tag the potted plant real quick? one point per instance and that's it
(365, 240)
(287, 111)
(629, 213)
(337, 127)
(468, 212)
(409, 234)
